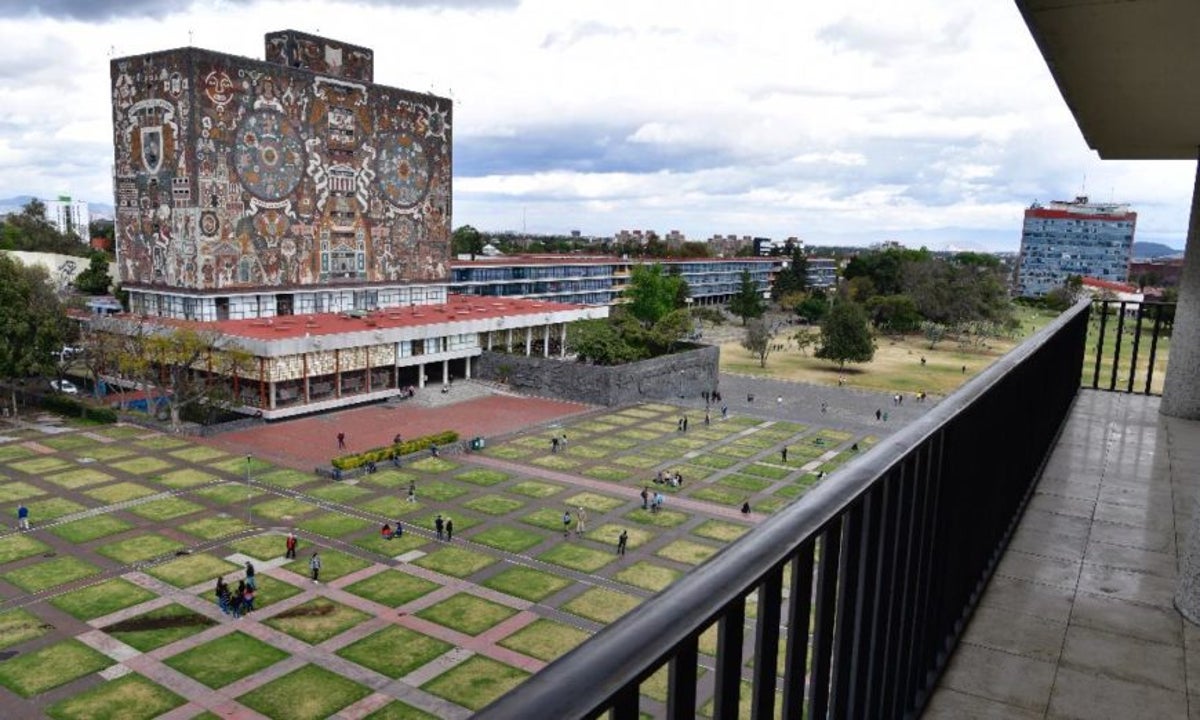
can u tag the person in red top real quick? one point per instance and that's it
(291, 545)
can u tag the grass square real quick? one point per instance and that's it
(229, 493)
(263, 547)
(8, 453)
(548, 518)
(81, 477)
(509, 452)
(650, 577)
(392, 588)
(577, 557)
(58, 664)
(641, 462)
(483, 477)
(608, 533)
(527, 583)
(197, 454)
(662, 518)
(142, 465)
(508, 538)
(601, 604)
(544, 639)
(40, 465)
(338, 492)
(283, 509)
(391, 548)
(81, 531)
(237, 466)
(307, 693)
(686, 551)
(745, 483)
(476, 682)
(228, 658)
(159, 627)
(439, 491)
(210, 528)
(283, 477)
(166, 509)
(161, 442)
(142, 547)
(493, 504)
(770, 505)
(333, 565)
(389, 478)
(589, 451)
(719, 495)
(17, 626)
(16, 547)
(455, 561)
(333, 525)
(132, 697)
(43, 575)
(535, 488)
(317, 620)
(119, 492)
(391, 507)
(594, 501)
(556, 462)
(461, 522)
(187, 571)
(105, 453)
(467, 614)
(716, 462)
(764, 470)
(123, 432)
(720, 531)
(433, 465)
(395, 651)
(398, 710)
(52, 508)
(186, 478)
(101, 599)
(68, 442)
(737, 451)
(607, 472)
(14, 491)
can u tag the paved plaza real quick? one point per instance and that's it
(107, 606)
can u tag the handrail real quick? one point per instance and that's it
(598, 674)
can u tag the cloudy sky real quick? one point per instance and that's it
(932, 122)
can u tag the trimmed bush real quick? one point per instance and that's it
(383, 454)
(69, 406)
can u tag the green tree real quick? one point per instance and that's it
(758, 340)
(466, 240)
(196, 367)
(794, 278)
(846, 335)
(33, 325)
(747, 302)
(652, 293)
(599, 342)
(814, 307)
(29, 230)
(95, 280)
(894, 313)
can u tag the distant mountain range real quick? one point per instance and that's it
(14, 204)
(1150, 250)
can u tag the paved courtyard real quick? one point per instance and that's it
(107, 607)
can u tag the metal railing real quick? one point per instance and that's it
(1128, 343)
(867, 581)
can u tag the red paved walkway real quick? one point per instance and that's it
(309, 442)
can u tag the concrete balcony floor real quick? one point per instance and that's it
(1078, 621)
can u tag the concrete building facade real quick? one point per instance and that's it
(70, 217)
(1075, 237)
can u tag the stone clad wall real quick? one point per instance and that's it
(687, 373)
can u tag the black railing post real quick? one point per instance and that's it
(823, 623)
(1100, 343)
(799, 609)
(625, 703)
(681, 681)
(1137, 338)
(1158, 313)
(849, 603)
(1112, 382)
(728, 680)
(766, 645)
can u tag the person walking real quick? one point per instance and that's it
(878, 413)
(707, 417)
(250, 581)
(236, 598)
(290, 544)
(341, 438)
(580, 521)
(22, 517)
(724, 412)
(622, 541)
(554, 445)
(566, 523)
(783, 454)
(439, 526)
(449, 529)
(646, 497)
(314, 564)
(412, 491)
(222, 593)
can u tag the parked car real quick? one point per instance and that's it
(65, 387)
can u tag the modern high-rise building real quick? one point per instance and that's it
(1074, 237)
(71, 217)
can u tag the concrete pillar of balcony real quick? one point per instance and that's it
(1181, 389)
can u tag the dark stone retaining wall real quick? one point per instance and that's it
(687, 373)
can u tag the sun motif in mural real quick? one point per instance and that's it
(404, 172)
(268, 155)
(436, 123)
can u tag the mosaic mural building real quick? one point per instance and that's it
(244, 185)
(251, 191)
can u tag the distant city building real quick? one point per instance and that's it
(1075, 237)
(70, 217)
(1163, 272)
(822, 273)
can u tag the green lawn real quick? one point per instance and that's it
(648, 576)
(467, 613)
(120, 492)
(395, 651)
(333, 565)
(14, 491)
(482, 477)
(44, 575)
(333, 525)
(535, 488)
(214, 527)
(75, 479)
(228, 658)
(102, 599)
(167, 509)
(139, 548)
(397, 710)
(577, 557)
(307, 693)
(163, 626)
(190, 570)
(455, 561)
(317, 620)
(142, 465)
(18, 626)
(392, 588)
(544, 639)
(527, 583)
(601, 604)
(131, 697)
(262, 547)
(186, 478)
(16, 547)
(508, 538)
(494, 504)
(476, 682)
(33, 673)
(688, 552)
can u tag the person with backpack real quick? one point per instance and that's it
(314, 564)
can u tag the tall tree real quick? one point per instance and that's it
(653, 293)
(793, 278)
(846, 335)
(748, 302)
(758, 340)
(196, 367)
(33, 325)
(466, 240)
(94, 280)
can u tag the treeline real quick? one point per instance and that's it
(30, 231)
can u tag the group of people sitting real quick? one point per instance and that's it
(239, 601)
(674, 479)
(387, 533)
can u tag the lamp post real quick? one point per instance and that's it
(249, 492)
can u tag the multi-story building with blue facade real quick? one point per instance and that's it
(1075, 237)
(600, 280)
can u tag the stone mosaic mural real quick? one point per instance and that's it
(237, 173)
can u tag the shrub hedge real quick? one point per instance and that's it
(70, 406)
(378, 455)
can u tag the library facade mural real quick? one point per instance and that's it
(237, 173)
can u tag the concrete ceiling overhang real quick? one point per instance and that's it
(1128, 69)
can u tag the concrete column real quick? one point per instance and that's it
(508, 342)
(272, 394)
(529, 341)
(562, 346)
(545, 341)
(445, 372)
(468, 366)
(421, 375)
(490, 336)
(1181, 389)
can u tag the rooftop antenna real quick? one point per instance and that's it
(189, 37)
